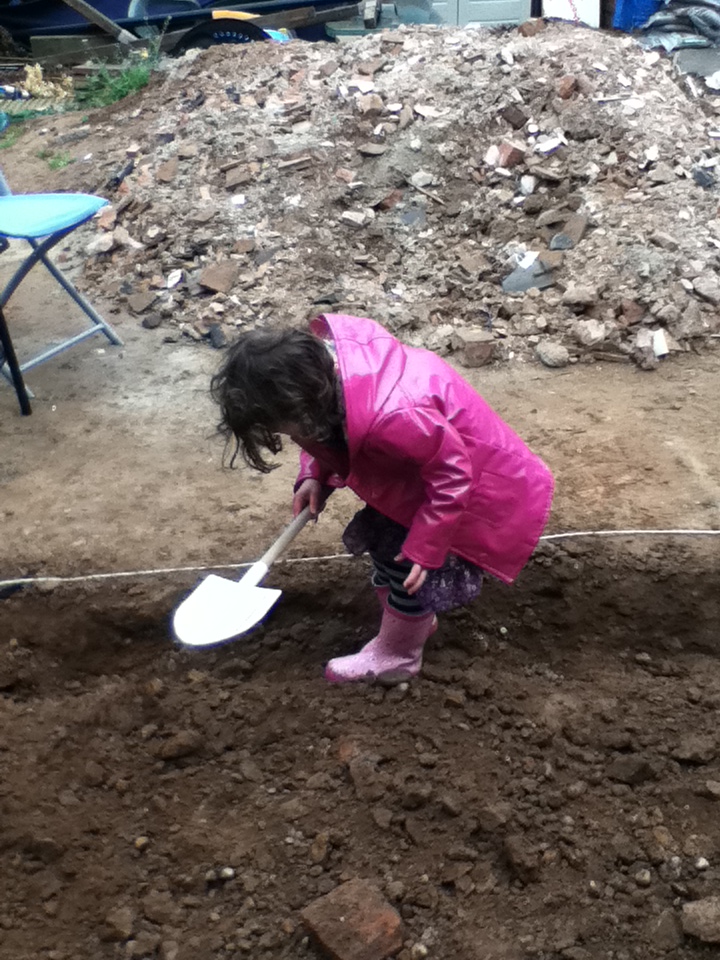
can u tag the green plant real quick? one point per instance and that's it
(108, 85)
(56, 161)
(9, 139)
(60, 161)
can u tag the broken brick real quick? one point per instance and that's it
(566, 87)
(219, 277)
(476, 347)
(510, 154)
(167, 171)
(355, 922)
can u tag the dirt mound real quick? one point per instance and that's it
(546, 790)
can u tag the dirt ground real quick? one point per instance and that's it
(547, 789)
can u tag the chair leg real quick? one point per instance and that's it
(11, 359)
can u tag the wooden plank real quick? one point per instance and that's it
(100, 20)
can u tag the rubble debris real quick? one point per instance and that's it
(365, 177)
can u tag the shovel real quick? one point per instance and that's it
(219, 609)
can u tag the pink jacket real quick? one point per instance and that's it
(426, 450)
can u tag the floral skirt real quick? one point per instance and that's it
(456, 583)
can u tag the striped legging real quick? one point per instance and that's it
(389, 573)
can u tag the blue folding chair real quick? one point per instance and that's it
(43, 219)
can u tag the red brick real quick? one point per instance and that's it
(510, 154)
(566, 87)
(355, 922)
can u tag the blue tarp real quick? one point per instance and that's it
(632, 14)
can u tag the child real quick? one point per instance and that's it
(451, 491)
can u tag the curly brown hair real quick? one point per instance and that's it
(270, 378)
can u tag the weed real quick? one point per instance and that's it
(106, 86)
(9, 139)
(56, 161)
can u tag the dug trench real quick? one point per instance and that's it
(548, 788)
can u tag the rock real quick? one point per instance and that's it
(696, 749)
(521, 859)
(580, 295)
(102, 243)
(169, 950)
(531, 28)
(662, 173)
(183, 744)
(701, 919)
(708, 287)
(632, 770)
(119, 924)
(138, 302)
(355, 922)
(152, 321)
(494, 816)
(552, 354)
(370, 105)
(664, 931)
(159, 907)
(589, 333)
(510, 154)
(220, 277)
(566, 86)
(711, 789)
(320, 848)
(664, 240)
(167, 171)
(476, 347)
(372, 149)
(516, 117)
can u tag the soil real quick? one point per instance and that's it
(547, 789)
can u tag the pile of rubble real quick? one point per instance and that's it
(547, 191)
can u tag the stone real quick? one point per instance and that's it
(355, 922)
(664, 931)
(152, 321)
(103, 243)
(159, 907)
(580, 295)
(510, 154)
(701, 919)
(531, 28)
(575, 227)
(631, 312)
(138, 302)
(167, 171)
(370, 105)
(711, 789)
(474, 263)
(183, 744)
(516, 117)
(494, 816)
(664, 240)
(708, 288)
(552, 354)
(119, 924)
(372, 149)
(662, 173)
(354, 218)
(589, 333)
(521, 858)
(631, 770)
(220, 277)
(696, 749)
(238, 177)
(566, 86)
(476, 347)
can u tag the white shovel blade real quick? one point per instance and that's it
(219, 609)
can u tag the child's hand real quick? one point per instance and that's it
(415, 579)
(310, 492)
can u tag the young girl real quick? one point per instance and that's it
(451, 491)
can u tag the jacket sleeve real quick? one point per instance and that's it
(426, 438)
(312, 469)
